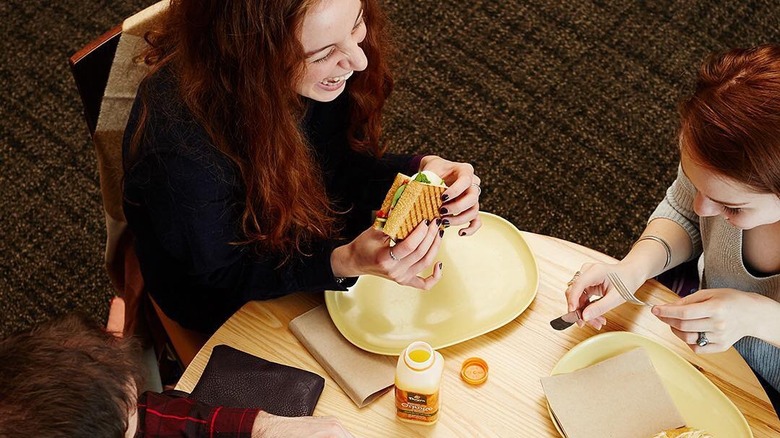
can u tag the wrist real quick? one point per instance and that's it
(767, 327)
(633, 272)
(260, 425)
(646, 259)
(340, 262)
(425, 160)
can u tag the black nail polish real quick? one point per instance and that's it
(438, 221)
(445, 197)
(441, 233)
(443, 210)
(427, 222)
(461, 233)
(441, 265)
(446, 222)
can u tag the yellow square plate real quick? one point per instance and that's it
(488, 280)
(701, 403)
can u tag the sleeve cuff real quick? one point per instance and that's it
(414, 164)
(315, 272)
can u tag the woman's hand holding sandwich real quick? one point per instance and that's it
(452, 186)
(461, 199)
(370, 253)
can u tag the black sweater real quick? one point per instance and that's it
(184, 200)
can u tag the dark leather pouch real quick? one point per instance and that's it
(236, 379)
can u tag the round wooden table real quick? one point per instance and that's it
(511, 403)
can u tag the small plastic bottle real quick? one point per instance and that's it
(417, 383)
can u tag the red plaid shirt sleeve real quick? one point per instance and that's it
(162, 415)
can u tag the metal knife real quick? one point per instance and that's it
(565, 321)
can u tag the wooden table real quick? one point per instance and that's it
(511, 402)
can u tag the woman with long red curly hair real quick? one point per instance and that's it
(724, 210)
(253, 157)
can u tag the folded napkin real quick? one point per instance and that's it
(236, 379)
(620, 397)
(363, 376)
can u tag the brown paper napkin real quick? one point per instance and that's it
(363, 376)
(620, 397)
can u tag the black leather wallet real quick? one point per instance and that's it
(236, 379)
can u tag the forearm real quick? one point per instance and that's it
(767, 319)
(648, 257)
(167, 414)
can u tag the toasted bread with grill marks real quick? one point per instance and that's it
(418, 202)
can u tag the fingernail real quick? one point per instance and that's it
(441, 266)
(461, 233)
(438, 221)
(445, 197)
(655, 310)
(443, 210)
(441, 233)
(427, 222)
(446, 222)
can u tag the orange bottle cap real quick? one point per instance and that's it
(474, 371)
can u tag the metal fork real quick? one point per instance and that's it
(623, 290)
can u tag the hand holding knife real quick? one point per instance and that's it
(565, 321)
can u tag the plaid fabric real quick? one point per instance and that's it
(168, 415)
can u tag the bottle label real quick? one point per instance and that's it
(417, 407)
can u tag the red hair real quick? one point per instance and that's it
(238, 62)
(731, 123)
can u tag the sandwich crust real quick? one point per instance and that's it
(683, 432)
(418, 202)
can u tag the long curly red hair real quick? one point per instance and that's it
(238, 62)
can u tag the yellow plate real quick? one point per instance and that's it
(488, 280)
(701, 403)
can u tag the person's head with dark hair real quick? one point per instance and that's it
(730, 128)
(67, 378)
(245, 69)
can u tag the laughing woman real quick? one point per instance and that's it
(253, 157)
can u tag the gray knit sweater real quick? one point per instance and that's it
(719, 246)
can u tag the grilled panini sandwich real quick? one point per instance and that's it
(409, 201)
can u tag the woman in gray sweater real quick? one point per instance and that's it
(724, 209)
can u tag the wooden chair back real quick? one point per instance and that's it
(107, 72)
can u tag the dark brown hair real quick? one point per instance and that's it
(731, 123)
(238, 62)
(67, 378)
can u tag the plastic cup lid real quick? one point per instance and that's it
(474, 371)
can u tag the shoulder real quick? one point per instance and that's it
(171, 134)
(161, 91)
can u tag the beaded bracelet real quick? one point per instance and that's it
(662, 242)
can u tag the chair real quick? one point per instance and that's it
(107, 73)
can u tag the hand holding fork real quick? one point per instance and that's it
(594, 284)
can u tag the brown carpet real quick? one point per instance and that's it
(566, 109)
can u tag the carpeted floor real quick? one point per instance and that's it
(566, 109)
